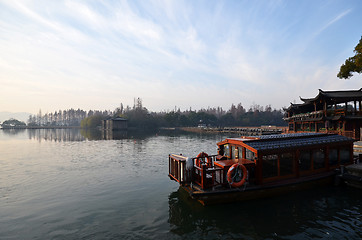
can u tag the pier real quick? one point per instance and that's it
(243, 131)
(353, 175)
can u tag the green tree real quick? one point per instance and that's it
(352, 64)
(92, 121)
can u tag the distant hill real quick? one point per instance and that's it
(21, 116)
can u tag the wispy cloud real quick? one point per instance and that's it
(188, 54)
(333, 20)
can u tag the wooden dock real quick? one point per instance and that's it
(243, 131)
(352, 174)
(357, 147)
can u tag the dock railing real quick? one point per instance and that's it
(186, 171)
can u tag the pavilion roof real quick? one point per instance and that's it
(335, 96)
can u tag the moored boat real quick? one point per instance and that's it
(255, 167)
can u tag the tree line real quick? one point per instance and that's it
(66, 118)
(139, 116)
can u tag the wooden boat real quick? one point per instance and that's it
(255, 167)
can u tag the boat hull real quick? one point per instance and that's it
(251, 193)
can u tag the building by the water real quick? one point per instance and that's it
(116, 123)
(329, 112)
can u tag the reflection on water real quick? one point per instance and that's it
(75, 134)
(56, 135)
(330, 213)
(12, 131)
(113, 135)
(68, 135)
(57, 184)
(79, 134)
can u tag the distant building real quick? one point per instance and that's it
(329, 112)
(201, 124)
(116, 123)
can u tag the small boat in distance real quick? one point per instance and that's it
(247, 168)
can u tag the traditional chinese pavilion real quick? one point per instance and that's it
(329, 112)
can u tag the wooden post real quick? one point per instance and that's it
(355, 107)
(351, 153)
(294, 126)
(203, 176)
(177, 170)
(182, 175)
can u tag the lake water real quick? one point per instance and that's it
(72, 184)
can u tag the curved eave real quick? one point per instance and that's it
(335, 97)
(311, 100)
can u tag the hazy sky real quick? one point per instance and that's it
(96, 54)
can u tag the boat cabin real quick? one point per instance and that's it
(256, 163)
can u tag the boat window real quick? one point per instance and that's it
(220, 150)
(249, 154)
(237, 153)
(333, 157)
(344, 154)
(226, 150)
(270, 166)
(240, 152)
(232, 152)
(318, 159)
(286, 164)
(305, 161)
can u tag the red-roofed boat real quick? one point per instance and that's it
(254, 167)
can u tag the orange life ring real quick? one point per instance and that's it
(233, 174)
(199, 158)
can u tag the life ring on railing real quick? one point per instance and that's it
(200, 157)
(234, 175)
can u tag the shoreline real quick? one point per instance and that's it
(251, 131)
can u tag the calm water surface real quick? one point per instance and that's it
(70, 184)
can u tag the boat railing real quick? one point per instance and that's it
(206, 175)
(177, 168)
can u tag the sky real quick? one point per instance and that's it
(60, 54)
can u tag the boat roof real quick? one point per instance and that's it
(287, 141)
